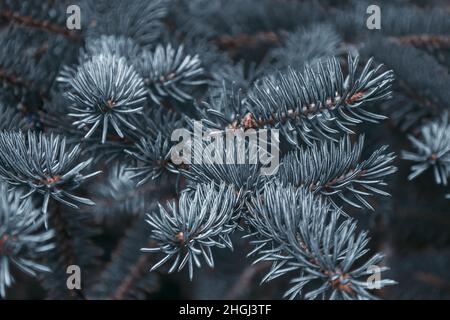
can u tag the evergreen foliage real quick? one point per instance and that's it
(87, 169)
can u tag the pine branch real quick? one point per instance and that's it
(203, 219)
(307, 104)
(154, 160)
(223, 108)
(302, 234)
(105, 91)
(42, 165)
(169, 72)
(22, 239)
(432, 150)
(337, 171)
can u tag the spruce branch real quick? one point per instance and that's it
(337, 171)
(240, 23)
(105, 91)
(22, 238)
(55, 119)
(310, 103)
(399, 20)
(223, 108)
(153, 157)
(142, 69)
(43, 165)
(14, 79)
(303, 234)
(186, 231)
(169, 72)
(432, 150)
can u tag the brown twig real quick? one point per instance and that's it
(249, 121)
(65, 243)
(28, 21)
(439, 41)
(138, 270)
(235, 42)
(17, 81)
(245, 280)
(14, 79)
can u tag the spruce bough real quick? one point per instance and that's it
(86, 124)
